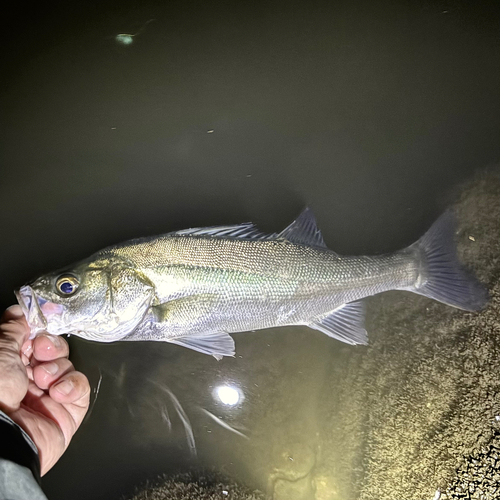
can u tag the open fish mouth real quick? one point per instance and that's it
(31, 308)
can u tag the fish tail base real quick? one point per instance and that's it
(442, 277)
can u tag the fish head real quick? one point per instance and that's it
(101, 300)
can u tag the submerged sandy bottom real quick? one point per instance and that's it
(417, 415)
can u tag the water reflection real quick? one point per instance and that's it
(223, 424)
(253, 416)
(128, 38)
(180, 413)
(229, 395)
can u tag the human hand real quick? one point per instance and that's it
(39, 387)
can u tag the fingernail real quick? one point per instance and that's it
(50, 368)
(55, 340)
(64, 387)
(28, 349)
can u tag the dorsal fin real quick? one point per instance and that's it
(245, 231)
(303, 230)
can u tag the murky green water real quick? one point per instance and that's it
(373, 114)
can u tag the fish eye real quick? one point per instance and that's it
(67, 284)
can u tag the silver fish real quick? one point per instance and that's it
(196, 286)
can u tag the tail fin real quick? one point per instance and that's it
(442, 277)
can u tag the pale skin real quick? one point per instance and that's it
(39, 387)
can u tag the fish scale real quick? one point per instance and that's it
(194, 287)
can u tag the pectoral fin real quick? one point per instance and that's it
(181, 322)
(186, 311)
(346, 323)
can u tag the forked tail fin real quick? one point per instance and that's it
(442, 277)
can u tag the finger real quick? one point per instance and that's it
(65, 408)
(14, 327)
(73, 392)
(46, 374)
(34, 392)
(27, 351)
(14, 331)
(48, 347)
(72, 388)
(44, 431)
(12, 312)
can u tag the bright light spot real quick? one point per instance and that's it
(228, 395)
(437, 495)
(124, 38)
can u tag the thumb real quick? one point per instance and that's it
(14, 331)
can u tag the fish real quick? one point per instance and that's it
(195, 287)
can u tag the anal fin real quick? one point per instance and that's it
(218, 344)
(345, 323)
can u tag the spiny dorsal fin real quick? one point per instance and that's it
(245, 231)
(304, 231)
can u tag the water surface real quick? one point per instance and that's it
(372, 113)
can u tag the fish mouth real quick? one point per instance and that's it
(31, 308)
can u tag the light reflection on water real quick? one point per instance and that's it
(229, 395)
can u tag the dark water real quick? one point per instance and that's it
(372, 113)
